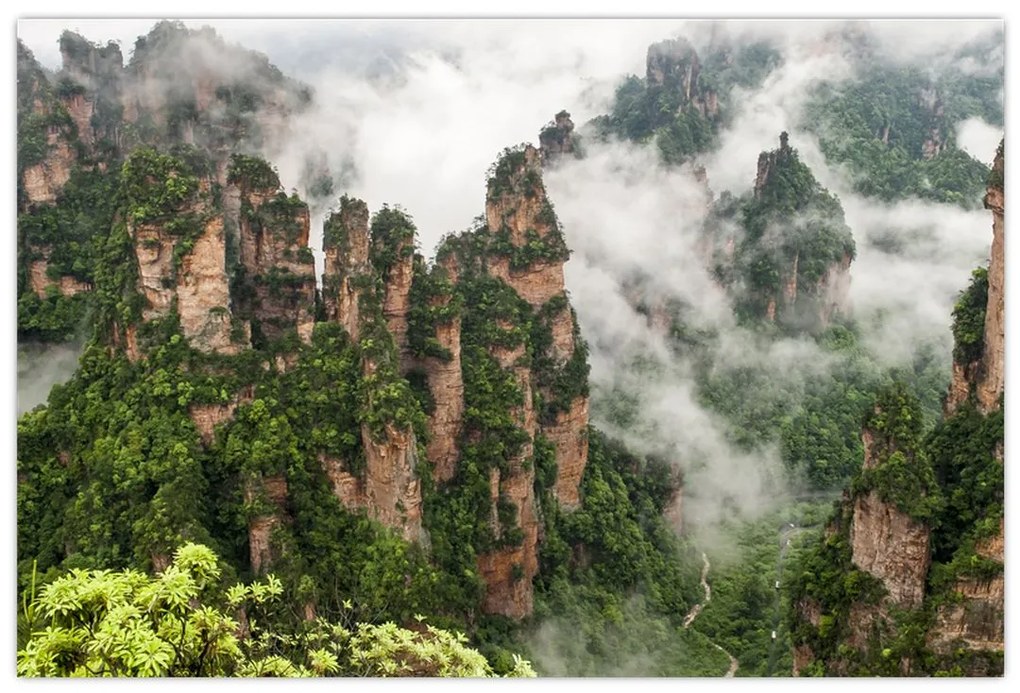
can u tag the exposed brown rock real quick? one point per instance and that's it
(508, 572)
(346, 244)
(80, 109)
(834, 290)
(397, 304)
(867, 623)
(536, 284)
(273, 235)
(42, 182)
(992, 382)
(40, 282)
(673, 64)
(790, 284)
(155, 252)
(260, 528)
(562, 324)
(346, 487)
(569, 434)
(392, 486)
(446, 384)
(985, 376)
(976, 620)
(207, 417)
(557, 139)
(890, 545)
(960, 384)
(203, 293)
(802, 658)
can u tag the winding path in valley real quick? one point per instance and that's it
(696, 609)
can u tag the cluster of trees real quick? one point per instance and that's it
(186, 621)
(684, 120)
(894, 130)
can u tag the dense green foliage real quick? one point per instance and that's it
(794, 234)
(887, 125)
(115, 474)
(684, 118)
(615, 581)
(186, 622)
(747, 560)
(969, 319)
(901, 472)
(965, 451)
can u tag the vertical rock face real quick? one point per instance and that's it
(991, 383)
(397, 299)
(195, 282)
(347, 487)
(42, 182)
(389, 488)
(811, 277)
(446, 383)
(674, 65)
(91, 75)
(40, 281)
(190, 85)
(345, 243)
(517, 206)
(984, 376)
(207, 417)
(569, 435)
(508, 572)
(557, 140)
(203, 292)
(527, 253)
(392, 487)
(886, 542)
(976, 620)
(273, 243)
(272, 491)
(931, 101)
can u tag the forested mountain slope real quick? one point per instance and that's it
(539, 433)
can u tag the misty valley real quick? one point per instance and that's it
(510, 348)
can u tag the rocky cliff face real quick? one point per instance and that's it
(392, 487)
(345, 245)
(889, 518)
(674, 65)
(886, 542)
(43, 181)
(41, 282)
(983, 377)
(934, 141)
(508, 572)
(557, 139)
(991, 383)
(889, 545)
(975, 620)
(193, 282)
(191, 86)
(278, 265)
(270, 493)
(812, 279)
(517, 206)
(216, 248)
(446, 383)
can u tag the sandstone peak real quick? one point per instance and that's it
(557, 138)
